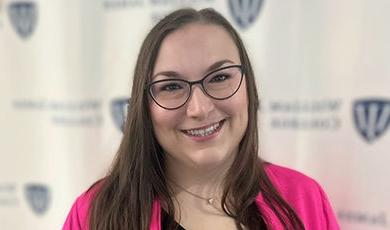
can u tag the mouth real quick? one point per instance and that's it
(205, 130)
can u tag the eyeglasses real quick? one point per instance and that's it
(219, 84)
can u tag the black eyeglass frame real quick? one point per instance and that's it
(148, 87)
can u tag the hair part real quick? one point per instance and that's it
(137, 177)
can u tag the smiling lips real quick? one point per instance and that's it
(204, 131)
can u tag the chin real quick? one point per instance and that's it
(210, 160)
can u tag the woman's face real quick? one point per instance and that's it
(204, 132)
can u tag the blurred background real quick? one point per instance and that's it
(322, 69)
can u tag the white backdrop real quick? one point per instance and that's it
(322, 70)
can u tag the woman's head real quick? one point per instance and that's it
(187, 45)
(192, 46)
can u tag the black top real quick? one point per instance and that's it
(164, 221)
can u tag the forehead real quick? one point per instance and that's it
(196, 46)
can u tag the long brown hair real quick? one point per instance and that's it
(125, 196)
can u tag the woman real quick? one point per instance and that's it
(189, 154)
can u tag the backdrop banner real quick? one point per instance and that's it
(65, 78)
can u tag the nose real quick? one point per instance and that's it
(199, 105)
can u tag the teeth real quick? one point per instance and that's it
(203, 132)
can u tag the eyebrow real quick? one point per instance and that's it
(174, 74)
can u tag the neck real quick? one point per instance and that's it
(205, 181)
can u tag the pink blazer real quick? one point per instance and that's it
(303, 193)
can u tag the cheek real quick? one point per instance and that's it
(157, 119)
(239, 102)
(239, 108)
(163, 120)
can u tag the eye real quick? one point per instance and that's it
(170, 87)
(219, 78)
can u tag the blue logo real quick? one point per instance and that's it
(23, 17)
(245, 12)
(372, 117)
(38, 197)
(119, 109)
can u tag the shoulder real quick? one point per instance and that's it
(77, 218)
(305, 195)
(285, 179)
(295, 187)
